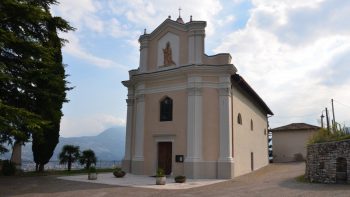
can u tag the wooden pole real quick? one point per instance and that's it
(334, 123)
(327, 119)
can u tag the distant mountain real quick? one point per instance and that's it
(108, 145)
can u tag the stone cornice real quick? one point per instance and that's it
(211, 70)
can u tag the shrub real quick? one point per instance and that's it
(180, 179)
(323, 135)
(92, 169)
(8, 168)
(160, 172)
(118, 172)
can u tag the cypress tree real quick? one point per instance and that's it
(32, 76)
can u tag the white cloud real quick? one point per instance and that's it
(228, 19)
(74, 48)
(149, 14)
(88, 125)
(82, 13)
(119, 30)
(300, 22)
(292, 59)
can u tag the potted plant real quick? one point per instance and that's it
(160, 177)
(92, 173)
(118, 172)
(180, 179)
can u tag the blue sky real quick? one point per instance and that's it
(294, 53)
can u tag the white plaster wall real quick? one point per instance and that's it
(246, 140)
(286, 144)
(174, 41)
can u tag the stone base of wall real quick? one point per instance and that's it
(137, 167)
(325, 162)
(126, 165)
(201, 169)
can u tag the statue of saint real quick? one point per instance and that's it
(168, 58)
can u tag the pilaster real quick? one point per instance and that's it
(143, 53)
(126, 163)
(225, 162)
(139, 131)
(196, 45)
(194, 121)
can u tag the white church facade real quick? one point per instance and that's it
(191, 114)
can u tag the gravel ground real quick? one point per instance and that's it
(274, 180)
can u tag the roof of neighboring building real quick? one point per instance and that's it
(241, 83)
(296, 126)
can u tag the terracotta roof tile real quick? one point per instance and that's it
(296, 126)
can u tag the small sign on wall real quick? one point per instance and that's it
(179, 158)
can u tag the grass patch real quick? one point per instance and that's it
(302, 179)
(63, 172)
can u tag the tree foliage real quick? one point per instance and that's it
(88, 157)
(69, 155)
(32, 76)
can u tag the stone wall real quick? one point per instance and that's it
(328, 162)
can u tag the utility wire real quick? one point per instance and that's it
(341, 103)
(308, 115)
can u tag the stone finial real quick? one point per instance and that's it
(169, 17)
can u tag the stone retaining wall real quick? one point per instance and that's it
(328, 162)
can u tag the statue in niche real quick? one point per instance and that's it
(168, 58)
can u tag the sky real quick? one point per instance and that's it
(294, 53)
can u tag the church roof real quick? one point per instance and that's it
(295, 127)
(243, 85)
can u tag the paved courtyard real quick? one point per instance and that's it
(273, 180)
(131, 180)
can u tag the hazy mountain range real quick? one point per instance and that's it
(108, 145)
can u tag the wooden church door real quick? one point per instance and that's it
(165, 156)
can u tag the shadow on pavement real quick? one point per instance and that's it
(17, 185)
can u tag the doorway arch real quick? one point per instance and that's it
(341, 170)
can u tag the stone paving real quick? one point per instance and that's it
(131, 180)
(275, 180)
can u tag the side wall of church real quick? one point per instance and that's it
(247, 141)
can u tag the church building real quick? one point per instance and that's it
(189, 113)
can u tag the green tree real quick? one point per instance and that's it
(32, 76)
(88, 157)
(69, 155)
(43, 149)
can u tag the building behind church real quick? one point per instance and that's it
(189, 113)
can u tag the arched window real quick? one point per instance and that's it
(251, 125)
(239, 119)
(166, 109)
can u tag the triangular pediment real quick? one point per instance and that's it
(171, 24)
